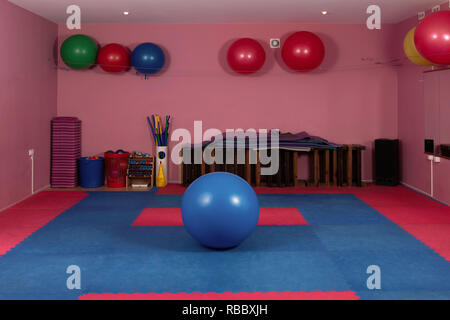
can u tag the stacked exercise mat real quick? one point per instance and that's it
(66, 149)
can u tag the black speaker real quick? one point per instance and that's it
(429, 146)
(387, 162)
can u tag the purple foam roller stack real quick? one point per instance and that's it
(66, 149)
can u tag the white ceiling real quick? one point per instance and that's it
(226, 11)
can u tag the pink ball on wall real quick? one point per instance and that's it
(303, 51)
(432, 38)
(246, 56)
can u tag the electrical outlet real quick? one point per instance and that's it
(421, 15)
(431, 158)
(436, 9)
(437, 159)
(31, 152)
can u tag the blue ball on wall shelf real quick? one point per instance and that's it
(220, 210)
(148, 58)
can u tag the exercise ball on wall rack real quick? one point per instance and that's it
(114, 58)
(79, 51)
(303, 51)
(432, 38)
(246, 56)
(148, 58)
(411, 51)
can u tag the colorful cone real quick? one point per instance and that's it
(161, 179)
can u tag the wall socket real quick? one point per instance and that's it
(436, 9)
(31, 152)
(421, 15)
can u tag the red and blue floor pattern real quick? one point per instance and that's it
(309, 244)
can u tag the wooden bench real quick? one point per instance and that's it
(328, 167)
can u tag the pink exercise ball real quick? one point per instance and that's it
(432, 38)
(246, 56)
(303, 51)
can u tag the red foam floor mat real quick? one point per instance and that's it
(51, 200)
(20, 221)
(302, 295)
(152, 217)
(435, 236)
(425, 219)
(172, 217)
(172, 189)
(409, 214)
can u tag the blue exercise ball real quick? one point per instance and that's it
(148, 58)
(220, 210)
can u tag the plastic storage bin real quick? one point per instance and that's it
(91, 172)
(116, 166)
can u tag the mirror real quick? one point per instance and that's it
(436, 86)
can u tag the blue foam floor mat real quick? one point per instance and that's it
(332, 253)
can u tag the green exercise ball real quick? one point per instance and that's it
(79, 51)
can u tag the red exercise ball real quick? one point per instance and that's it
(114, 58)
(246, 56)
(432, 37)
(303, 51)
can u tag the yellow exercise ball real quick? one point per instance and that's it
(411, 50)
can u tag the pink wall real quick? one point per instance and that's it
(349, 101)
(27, 100)
(411, 125)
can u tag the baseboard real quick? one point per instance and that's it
(426, 194)
(13, 204)
(416, 189)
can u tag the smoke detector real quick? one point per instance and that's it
(275, 43)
